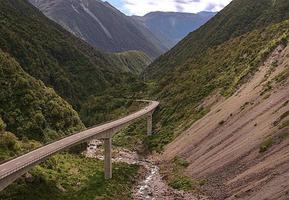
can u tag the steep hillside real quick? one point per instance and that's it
(241, 146)
(130, 61)
(101, 25)
(34, 53)
(185, 76)
(239, 18)
(49, 53)
(171, 27)
(29, 109)
(224, 82)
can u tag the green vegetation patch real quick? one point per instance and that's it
(100, 109)
(173, 173)
(283, 76)
(266, 145)
(30, 109)
(70, 177)
(133, 137)
(181, 183)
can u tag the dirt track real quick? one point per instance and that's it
(223, 146)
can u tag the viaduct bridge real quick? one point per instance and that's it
(15, 168)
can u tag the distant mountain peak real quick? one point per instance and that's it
(101, 25)
(171, 27)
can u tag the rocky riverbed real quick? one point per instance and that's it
(150, 186)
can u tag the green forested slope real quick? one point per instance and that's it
(49, 53)
(29, 109)
(217, 57)
(32, 114)
(42, 68)
(131, 61)
(240, 17)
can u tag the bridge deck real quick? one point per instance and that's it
(33, 158)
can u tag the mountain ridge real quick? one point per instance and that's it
(171, 27)
(62, 61)
(101, 25)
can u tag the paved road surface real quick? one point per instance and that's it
(27, 161)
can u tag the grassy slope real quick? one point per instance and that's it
(67, 176)
(217, 57)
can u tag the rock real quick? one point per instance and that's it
(29, 178)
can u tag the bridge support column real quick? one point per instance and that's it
(150, 123)
(107, 158)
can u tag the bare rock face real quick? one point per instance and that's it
(29, 178)
(101, 25)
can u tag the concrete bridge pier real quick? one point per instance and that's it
(108, 145)
(107, 158)
(150, 123)
(13, 169)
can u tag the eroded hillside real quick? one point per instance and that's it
(241, 146)
(224, 88)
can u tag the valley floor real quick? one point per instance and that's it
(150, 185)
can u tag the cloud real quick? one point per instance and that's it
(141, 7)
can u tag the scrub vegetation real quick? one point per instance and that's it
(220, 56)
(69, 176)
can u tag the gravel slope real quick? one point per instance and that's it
(224, 146)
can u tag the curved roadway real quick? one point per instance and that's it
(22, 164)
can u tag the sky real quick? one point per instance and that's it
(142, 7)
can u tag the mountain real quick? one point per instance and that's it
(37, 55)
(172, 27)
(101, 25)
(46, 75)
(47, 52)
(219, 30)
(224, 102)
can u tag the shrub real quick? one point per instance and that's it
(2, 126)
(267, 144)
(180, 161)
(181, 183)
(9, 141)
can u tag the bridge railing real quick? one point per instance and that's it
(104, 131)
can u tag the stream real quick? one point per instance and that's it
(151, 186)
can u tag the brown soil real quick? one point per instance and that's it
(223, 147)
